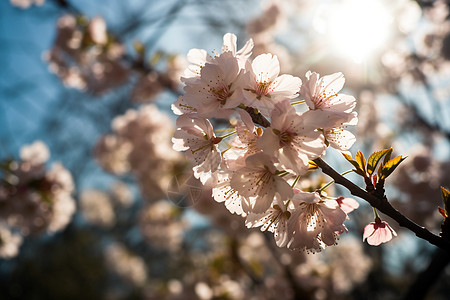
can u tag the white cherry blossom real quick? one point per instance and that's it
(245, 143)
(315, 222)
(198, 58)
(223, 192)
(197, 136)
(259, 182)
(275, 219)
(291, 138)
(330, 110)
(264, 87)
(217, 91)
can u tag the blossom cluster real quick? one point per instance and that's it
(255, 174)
(33, 199)
(85, 56)
(140, 145)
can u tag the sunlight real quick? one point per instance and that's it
(356, 28)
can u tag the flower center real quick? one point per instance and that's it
(222, 94)
(262, 88)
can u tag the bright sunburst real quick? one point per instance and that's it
(356, 28)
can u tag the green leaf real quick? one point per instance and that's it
(388, 156)
(361, 160)
(390, 166)
(374, 158)
(355, 164)
(446, 197)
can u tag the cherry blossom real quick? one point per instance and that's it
(292, 139)
(248, 134)
(259, 182)
(330, 110)
(321, 94)
(378, 232)
(264, 87)
(315, 222)
(217, 91)
(197, 136)
(223, 192)
(199, 57)
(275, 219)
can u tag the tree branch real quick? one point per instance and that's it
(383, 205)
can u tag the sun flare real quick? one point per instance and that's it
(355, 28)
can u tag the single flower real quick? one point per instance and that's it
(196, 136)
(217, 91)
(291, 139)
(264, 88)
(347, 204)
(378, 232)
(258, 182)
(275, 219)
(315, 222)
(198, 58)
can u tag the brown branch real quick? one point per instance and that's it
(383, 205)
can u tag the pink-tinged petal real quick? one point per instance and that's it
(268, 142)
(229, 43)
(222, 192)
(333, 83)
(266, 67)
(347, 204)
(378, 232)
(209, 165)
(283, 188)
(246, 51)
(285, 86)
(340, 139)
(181, 107)
(369, 230)
(198, 58)
(247, 120)
(283, 115)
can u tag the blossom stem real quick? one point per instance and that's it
(383, 205)
(228, 135)
(332, 181)
(298, 102)
(295, 181)
(377, 217)
(224, 130)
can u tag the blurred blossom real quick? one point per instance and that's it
(32, 198)
(97, 209)
(161, 226)
(338, 270)
(147, 88)
(26, 3)
(9, 242)
(97, 30)
(126, 265)
(84, 58)
(122, 194)
(112, 154)
(140, 145)
(409, 14)
(418, 179)
(35, 154)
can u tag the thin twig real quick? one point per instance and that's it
(383, 205)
